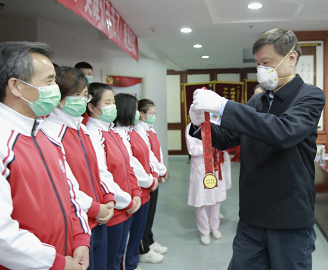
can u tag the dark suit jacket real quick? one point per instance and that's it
(278, 147)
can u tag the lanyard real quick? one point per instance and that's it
(210, 180)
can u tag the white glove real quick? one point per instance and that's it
(207, 100)
(196, 117)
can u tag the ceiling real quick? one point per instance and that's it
(223, 27)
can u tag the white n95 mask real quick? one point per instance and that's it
(268, 76)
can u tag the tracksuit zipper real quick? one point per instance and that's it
(86, 158)
(52, 183)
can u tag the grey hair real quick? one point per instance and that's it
(283, 41)
(16, 62)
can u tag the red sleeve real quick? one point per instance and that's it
(80, 223)
(59, 263)
(82, 239)
(129, 206)
(165, 175)
(136, 189)
(94, 210)
(109, 197)
(155, 174)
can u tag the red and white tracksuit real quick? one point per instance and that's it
(41, 220)
(149, 135)
(82, 159)
(114, 159)
(139, 160)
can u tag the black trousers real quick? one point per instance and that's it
(147, 238)
(257, 248)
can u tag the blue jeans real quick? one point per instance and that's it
(256, 248)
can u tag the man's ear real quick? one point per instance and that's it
(15, 87)
(293, 58)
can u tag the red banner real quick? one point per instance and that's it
(188, 94)
(230, 90)
(120, 81)
(102, 15)
(249, 88)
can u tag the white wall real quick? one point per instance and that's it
(73, 43)
(174, 97)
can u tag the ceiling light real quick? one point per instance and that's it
(254, 6)
(197, 46)
(205, 56)
(185, 30)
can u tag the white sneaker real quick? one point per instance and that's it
(151, 257)
(205, 239)
(221, 216)
(138, 268)
(158, 248)
(216, 234)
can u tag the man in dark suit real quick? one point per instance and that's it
(277, 132)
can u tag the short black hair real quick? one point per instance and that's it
(126, 109)
(83, 65)
(70, 81)
(97, 90)
(16, 61)
(144, 105)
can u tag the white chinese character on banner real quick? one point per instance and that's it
(96, 10)
(129, 39)
(107, 18)
(87, 7)
(118, 17)
(112, 17)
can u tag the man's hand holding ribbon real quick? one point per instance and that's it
(205, 100)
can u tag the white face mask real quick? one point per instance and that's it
(268, 76)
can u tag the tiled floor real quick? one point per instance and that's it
(175, 227)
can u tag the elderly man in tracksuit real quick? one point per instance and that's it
(42, 225)
(277, 133)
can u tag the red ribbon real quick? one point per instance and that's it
(207, 143)
(210, 153)
(218, 157)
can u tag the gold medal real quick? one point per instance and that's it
(210, 181)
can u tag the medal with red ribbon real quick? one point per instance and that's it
(210, 180)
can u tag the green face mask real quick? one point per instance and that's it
(74, 106)
(49, 97)
(150, 119)
(89, 78)
(109, 113)
(137, 117)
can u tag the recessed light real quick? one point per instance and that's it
(197, 46)
(205, 56)
(185, 30)
(254, 6)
